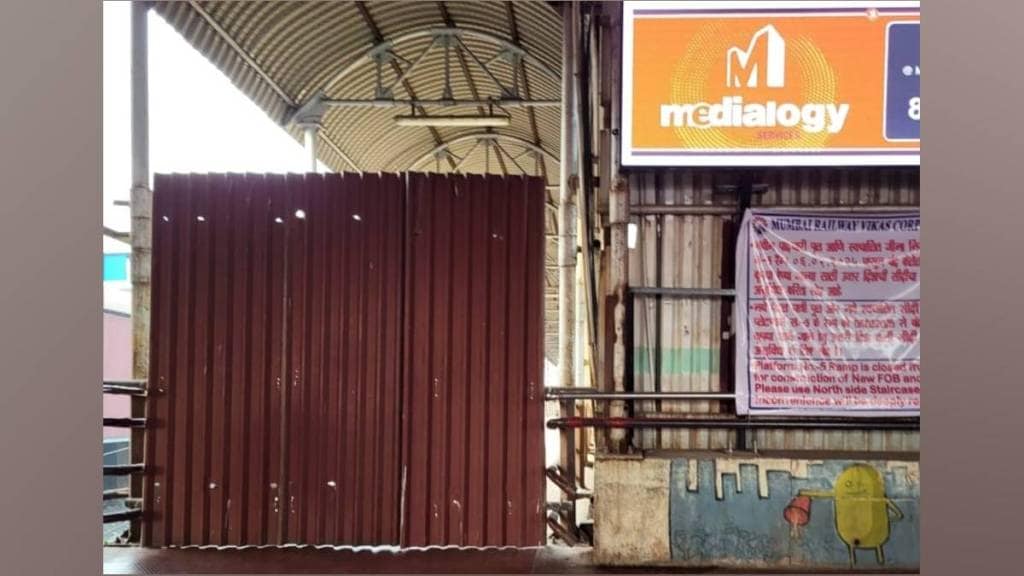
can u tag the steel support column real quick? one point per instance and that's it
(141, 230)
(618, 217)
(567, 271)
(310, 133)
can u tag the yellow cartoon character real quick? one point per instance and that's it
(861, 510)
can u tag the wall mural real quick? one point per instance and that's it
(795, 513)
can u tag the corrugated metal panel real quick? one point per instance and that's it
(474, 419)
(302, 46)
(275, 360)
(279, 341)
(691, 251)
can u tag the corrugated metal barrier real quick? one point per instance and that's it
(475, 373)
(327, 350)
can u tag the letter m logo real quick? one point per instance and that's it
(764, 58)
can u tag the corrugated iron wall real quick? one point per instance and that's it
(283, 310)
(474, 423)
(691, 341)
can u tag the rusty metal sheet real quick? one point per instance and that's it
(275, 382)
(346, 360)
(474, 411)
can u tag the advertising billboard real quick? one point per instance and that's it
(731, 83)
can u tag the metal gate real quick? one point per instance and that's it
(343, 360)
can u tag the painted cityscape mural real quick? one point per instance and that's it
(795, 513)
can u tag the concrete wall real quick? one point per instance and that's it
(772, 513)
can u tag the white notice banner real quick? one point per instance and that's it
(828, 314)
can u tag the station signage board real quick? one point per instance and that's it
(828, 314)
(762, 83)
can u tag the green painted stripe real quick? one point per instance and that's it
(678, 360)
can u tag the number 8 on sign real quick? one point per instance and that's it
(914, 109)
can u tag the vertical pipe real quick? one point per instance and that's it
(567, 263)
(310, 134)
(618, 220)
(566, 222)
(141, 202)
(141, 196)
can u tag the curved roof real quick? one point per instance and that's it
(286, 55)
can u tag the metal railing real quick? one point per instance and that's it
(134, 388)
(711, 421)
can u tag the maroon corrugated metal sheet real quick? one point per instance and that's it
(284, 311)
(474, 378)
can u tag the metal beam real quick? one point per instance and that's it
(241, 52)
(682, 293)
(125, 237)
(337, 150)
(379, 41)
(514, 29)
(463, 66)
(502, 89)
(466, 157)
(408, 69)
(481, 136)
(362, 55)
(501, 149)
(399, 103)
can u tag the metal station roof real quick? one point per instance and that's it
(351, 67)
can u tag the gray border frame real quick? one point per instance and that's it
(49, 350)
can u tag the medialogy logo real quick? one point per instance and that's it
(771, 58)
(766, 83)
(767, 52)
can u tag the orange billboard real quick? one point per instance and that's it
(756, 83)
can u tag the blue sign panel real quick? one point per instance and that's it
(115, 267)
(903, 81)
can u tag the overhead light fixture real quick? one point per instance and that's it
(495, 121)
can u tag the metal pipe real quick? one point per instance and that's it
(567, 267)
(682, 210)
(124, 422)
(123, 469)
(566, 222)
(683, 292)
(618, 219)
(730, 210)
(141, 239)
(121, 516)
(139, 384)
(394, 103)
(734, 423)
(557, 394)
(141, 196)
(123, 391)
(125, 237)
(558, 479)
(309, 132)
(561, 531)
